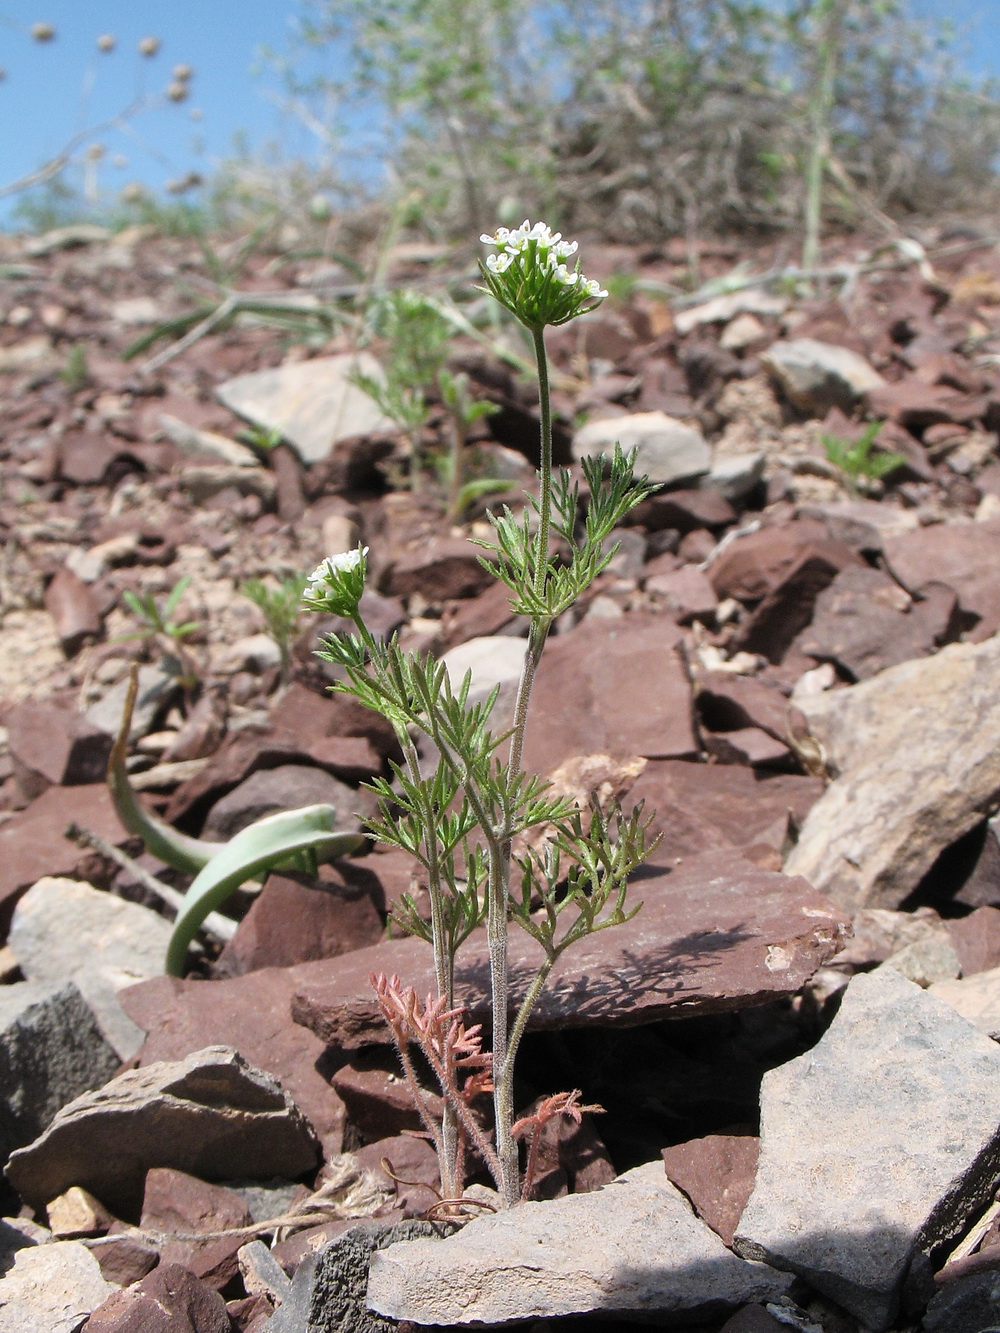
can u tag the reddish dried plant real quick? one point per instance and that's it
(531, 1126)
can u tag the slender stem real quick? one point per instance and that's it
(545, 463)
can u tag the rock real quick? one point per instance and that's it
(960, 555)
(32, 842)
(224, 485)
(413, 1160)
(684, 511)
(864, 622)
(971, 1304)
(705, 807)
(293, 922)
(722, 309)
(32, 354)
(714, 934)
(87, 459)
(439, 569)
(208, 1115)
(686, 593)
(136, 310)
(571, 1256)
(52, 1288)
(976, 998)
(571, 1158)
(716, 1174)
(206, 443)
(898, 1078)
(57, 743)
(77, 1213)
(917, 405)
(312, 403)
(667, 450)
(917, 768)
(379, 1105)
(880, 934)
(287, 787)
(250, 1013)
(737, 476)
(493, 660)
(65, 238)
(169, 1300)
(728, 702)
(771, 627)
(174, 1202)
(587, 686)
(124, 1259)
(74, 611)
(62, 928)
(329, 1291)
(741, 333)
(157, 687)
(926, 961)
(816, 376)
(748, 745)
(976, 939)
(754, 563)
(863, 525)
(51, 1050)
(201, 732)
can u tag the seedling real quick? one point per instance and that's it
(75, 374)
(460, 817)
(280, 608)
(158, 625)
(857, 462)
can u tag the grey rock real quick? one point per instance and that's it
(65, 238)
(917, 764)
(64, 928)
(877, 1145)
(926, 961)
(493, 659)
(51, 1051)
(206, 443)
(204, 480)
(816, 376)
(969, 1305)
(51, 1289)
(287, 787)
(209, 1115)
(737, 475)
(666, 449)
(864, 525)
(721, 309)
(634, 1245)
(313, 403)
(157, 686)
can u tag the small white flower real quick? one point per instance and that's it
(563, 249)
(332, 566)
(499, 237)
(593, 288)
(567, 278)
(499, 263)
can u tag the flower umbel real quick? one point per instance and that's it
(336, 584)
(528, 275)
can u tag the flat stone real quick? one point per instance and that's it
(816, 376)
(157, 686)
(864, 622)
(916, 405)
(771, 627)
(728, 702)
(748, 745)
(737, 476)
(899, 1078)
(667, 450)
(588, 688)
(32, 842)
(574, 1255)
(961, 555)
(175, 1202)
(57, 743)
(250, 1013)
(721, 309)
(208, 1115)
(686, 593)
(713, 935)
(863, 525)
(206, 443)
(439, 569)
(51, 1050)
(287, 787)
(716, 1174)
(918, 766)
(971, 1304)
(170, 1299)
(976, 938)
(63, 928)
(74, 611)
(753, 564)
(494, 659)
(52, 1288)
(312, 403)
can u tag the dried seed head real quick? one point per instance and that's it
(183, 73)
(149, 46)
(178, 92)
(106, 42)
(43, 32)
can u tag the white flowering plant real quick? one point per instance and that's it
(460, 817)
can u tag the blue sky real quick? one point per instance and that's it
(51, 90)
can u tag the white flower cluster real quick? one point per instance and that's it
(550, 248)
(331, 567)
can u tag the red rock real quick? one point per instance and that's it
(754, 564)
(201, 732)
(748, 745)
(713, 935)
(410, 1159)
(695, 547)
(32, 842)
(571, 1158)
(684, 510)
(727, 702)
(375, 1094)
(439, 569)
(701, 807)
(474, 617)
(288, 476)
(173, 1202)
(753, 1319)
(294, 921)
(250, 1013)
(788, 607)
(124, 1259)
(250, 1314)
(976, 940)
(307, 715)
(613, 687)
(915, 405)
(717, 1174)
(168, 1300)
(685, 593)
(74, 610)
(964, 556)
(57, 744)
(286, 787)
(89, 460)
(864, 622)
(352, 759)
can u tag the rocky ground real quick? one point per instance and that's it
(797, 669)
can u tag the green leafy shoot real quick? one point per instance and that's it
(857, 461)
(281, 608)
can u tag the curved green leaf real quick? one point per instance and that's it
(273, 841)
